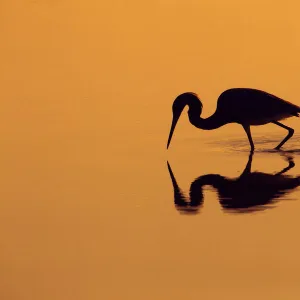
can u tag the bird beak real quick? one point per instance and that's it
(174, 122)
(172, 176)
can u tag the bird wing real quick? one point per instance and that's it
(250, 105)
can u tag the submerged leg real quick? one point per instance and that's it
(290, 134)
(247, 129)
(247, 170)
(291, 165)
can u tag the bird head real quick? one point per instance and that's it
(190, 99)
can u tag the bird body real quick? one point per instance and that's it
(245, 106)
(254, 107)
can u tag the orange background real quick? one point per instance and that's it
(86, 206)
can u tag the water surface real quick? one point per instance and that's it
(87, 206)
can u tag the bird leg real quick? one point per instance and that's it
(290, 166)
(290, 134)
(247, 170)
(247, 129)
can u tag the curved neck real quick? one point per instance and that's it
(214, 121)
(214, 180)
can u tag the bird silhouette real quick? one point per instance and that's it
(250, 192)
(245, 106)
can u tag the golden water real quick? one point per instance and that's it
(87, 204)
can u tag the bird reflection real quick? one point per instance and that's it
(250, 192)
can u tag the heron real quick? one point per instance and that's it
(250, 192)
(244, 106)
